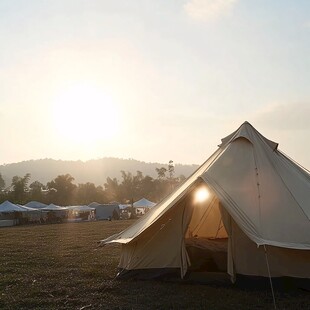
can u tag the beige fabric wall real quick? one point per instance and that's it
(250, 180)
(162, 245)
(251, 260)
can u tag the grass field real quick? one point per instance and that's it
(60, 267)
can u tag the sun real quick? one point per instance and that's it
(84, 113)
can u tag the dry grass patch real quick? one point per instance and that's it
(60, 267)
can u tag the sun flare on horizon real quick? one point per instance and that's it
(85, 114)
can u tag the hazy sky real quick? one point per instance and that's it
(151, 80)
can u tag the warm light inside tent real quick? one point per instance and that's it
(201, 195)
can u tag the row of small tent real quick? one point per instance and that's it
(34, 211)
(7, 207)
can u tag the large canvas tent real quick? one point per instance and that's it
(255, 220)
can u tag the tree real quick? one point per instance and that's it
(148, 188)
(171, 169)
(100, 195)
(111, 189)
(20, 188)
(2, 183)
(181, 178)
(126, 188)
(61, 189)
(36, 186)
(172, 180)
(138, 190)
(165, 185)
(161, 172)
(36, 190)
(131, 187)
(86, 193)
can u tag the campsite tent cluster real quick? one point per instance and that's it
(252, 218)
(37, 212)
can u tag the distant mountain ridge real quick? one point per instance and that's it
(95, 170)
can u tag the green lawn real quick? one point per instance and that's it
(60, 267)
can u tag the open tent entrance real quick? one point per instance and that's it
(188, 238)
(206, 238)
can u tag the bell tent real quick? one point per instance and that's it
(246, 211)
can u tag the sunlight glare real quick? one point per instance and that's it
(201, 195)
(85, 113)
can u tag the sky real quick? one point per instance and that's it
(151, 80)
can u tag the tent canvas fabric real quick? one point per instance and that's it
(8, 206)
(144, 203)
(259, 202)
(104, 211)
(14, 214)
(53, 207)
(36, 205)
(81, 208)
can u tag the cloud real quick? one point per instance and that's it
(207, 10)
(287, 124)
(291, 116)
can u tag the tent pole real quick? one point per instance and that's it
(267, 263)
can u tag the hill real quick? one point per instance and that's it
(95, 171)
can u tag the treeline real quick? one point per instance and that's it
(63, 191)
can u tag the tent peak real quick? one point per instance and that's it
(247, 131)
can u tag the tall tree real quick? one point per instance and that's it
(87, 193)
(165, 184)
(62, 189)
(20, 188)
(126, 187)
(36, 190)
(148, 188)
(171, 169)
(112, 189)
(137, 185)
(173, 182)
(2, 183)
(131, 186)
(101, 196)
(161, 172)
